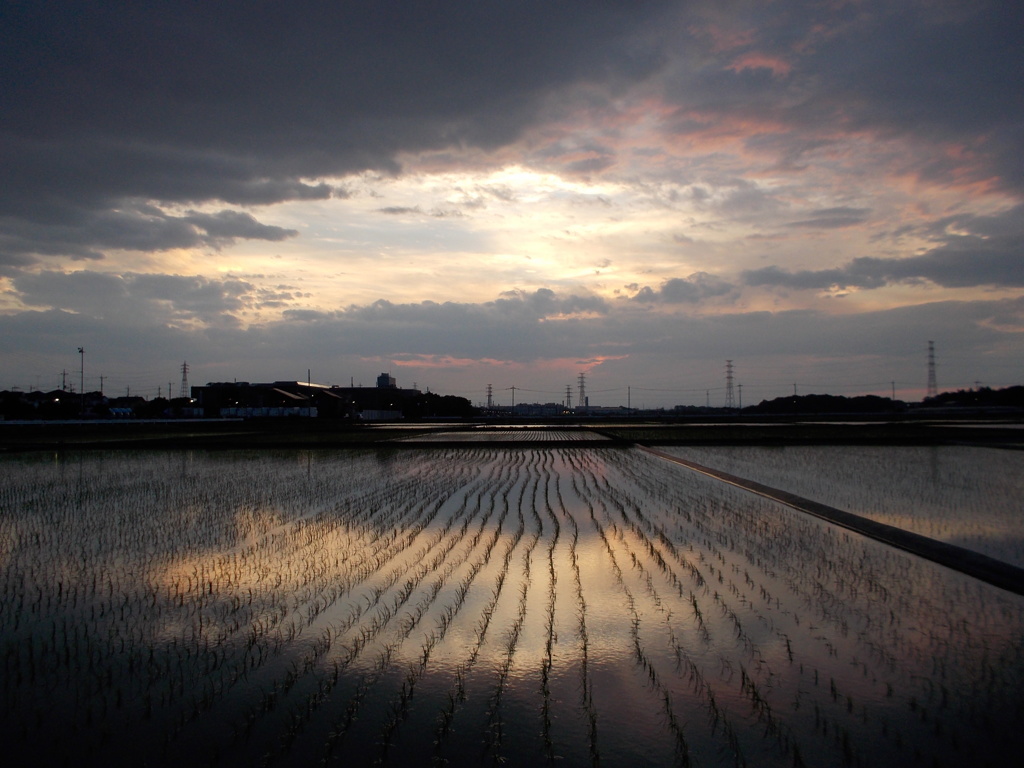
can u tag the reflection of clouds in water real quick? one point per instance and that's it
(963, 495)
(619, 594)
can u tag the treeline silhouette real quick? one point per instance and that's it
(981, 398)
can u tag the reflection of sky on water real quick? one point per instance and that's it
(971, 497)
(259, 603)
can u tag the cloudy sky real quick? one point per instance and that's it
(513, 193)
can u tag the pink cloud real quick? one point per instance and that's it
(778, 67)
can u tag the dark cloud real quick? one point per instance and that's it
(243, 104)
(695, 288)
(519, 325)
(131, 297)
(226, 102)
(747, 200)
(990, 252)
(13, 263)
(590, 165)
(768, 348)
(512, 307)
(832, 218)
(545, 303)
(133, 226)
(933, 72)
(228, 225)
(148, 126)
(400, 210)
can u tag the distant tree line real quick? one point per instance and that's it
(827, 404)
(984, 397)
(429, 404)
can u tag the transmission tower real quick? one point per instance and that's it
(184, 381)
(730, 401)
(933, 387)
(582, 400)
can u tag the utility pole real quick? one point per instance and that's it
(893, 390)
(629, 398)
(740, 386)
(513, 400)
(101, 385)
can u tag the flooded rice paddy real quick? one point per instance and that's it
(476, 606)
(508, 434)
(969, 496)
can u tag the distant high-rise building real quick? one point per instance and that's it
(386, 381)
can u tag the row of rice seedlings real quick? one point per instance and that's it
(935, 491)
(649, 564)
(493, 726)
(398, 710)
(109, 608)
(682, 747)
(458, 697)
(845, 613)
(586, 685)
(432, 559)
(804, 604)
(749, 686)
(203, 587)
(380, 556)
(547, 661)
(685, 665)
(297, 666)
(495, 730)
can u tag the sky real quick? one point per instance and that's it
(511, 194)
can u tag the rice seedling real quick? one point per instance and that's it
(591, 605)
